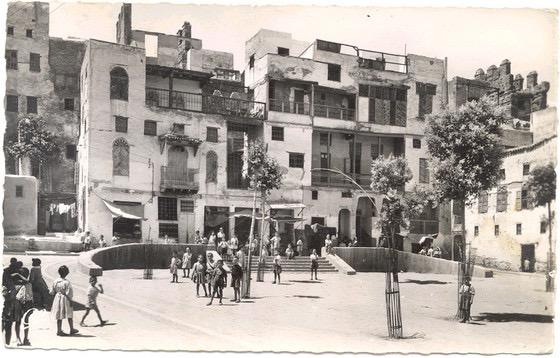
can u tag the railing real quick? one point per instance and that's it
(278, 105)
(199, 102)
(334, 112)
(329, 179)
(179, 178)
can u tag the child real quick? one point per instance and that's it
(236, 275)
(314, 263)
(223, 247)
(210, 266)
(199, 275)
(219, 280)
(187, 256)
(276, 266)
(91, 304)
(62, 303)
(290, 252)
(174, 267)
(102, 242)
(299, 246)
(466, 293)
(23, 303)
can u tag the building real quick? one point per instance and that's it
(20, 205)
(503, 224)
(42, 82)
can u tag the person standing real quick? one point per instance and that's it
(23, 303)
(166, 239)
(276, 266)
(197, 237)
(40, 288)
(87, 241)
(102, 242)
(199, 275)
(466, 292)
(234, 244)
(91, 303)
(212, 241)
(223, 248)
(210, 268)
(299, 247)
(328, 244)
(62, 303)
(221, 235)
(236, 276)
(314, 263)
(187, 258)
(174, 267)
(219, 280)
(115, 240)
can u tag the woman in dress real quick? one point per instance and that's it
(62, 302)
(466, 292)
(187, 258)
(199, 275)
(174, 267)
(314, 263)
(276, 267)
(40, 288)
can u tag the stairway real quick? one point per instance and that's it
(297, 264)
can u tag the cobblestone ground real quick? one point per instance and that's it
(338, 313)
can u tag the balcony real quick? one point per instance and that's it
(198, 102)
(288, 106)
(334, 112)
(335, 180)
(179, 179)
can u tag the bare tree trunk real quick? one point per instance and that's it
(462, 267)
(392, 292)
(260, 266)
(247, 292)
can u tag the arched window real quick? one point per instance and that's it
(121, 157)
(119, 84)
(211, 167)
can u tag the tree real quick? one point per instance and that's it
(389, 177)
(265, 175)
(466, 151)
(542, 185)
(34, 142)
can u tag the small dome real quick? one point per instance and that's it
(491, 68)
(505, 62)
(479, 72)
(518, 77)
(532, 73)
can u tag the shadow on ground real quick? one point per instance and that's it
(426, 282)
(305, 281)
(301, 296)
(513, 317)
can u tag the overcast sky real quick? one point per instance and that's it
(470, 38)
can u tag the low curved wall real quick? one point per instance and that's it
(133, 256)
(374, 259)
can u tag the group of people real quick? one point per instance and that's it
(88, 242)
(332, 241)
(24, 291)
(431, 251)
(225, 247)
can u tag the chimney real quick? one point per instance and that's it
(505, 68)
(532, 79)
(185, 31)
(124, 25)
(518, 83)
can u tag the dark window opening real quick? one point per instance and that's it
(277, 133)
(334, 72)
(31, 104)
(212, 134)
(34, 62)
(187, 206)
(169, 229)
(178, 128)
(70, 152)
(496, 230)
(296, 160)
(526, 169)
(502, 174)
(11, 59)
(121, 124)
(119, 84)
(424, 174)
(501, 204)
(483, 202)
(10, 31)
(211, 167)
(19, 191)
(544, 225)
(121, 157)
(12, 104)
(252, 61)
(323, 139)
(317, 220)
(282, 51)
(314, 195)
(29, 33)
(518, 229)
(328, 46)
(167, 208)
(425, 92)
(476, 231)
(69, 104)
(387, 105)
(416, 143)
(150, 128)
(346, 194)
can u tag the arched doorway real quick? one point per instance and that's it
(344, 225)
(364, 223)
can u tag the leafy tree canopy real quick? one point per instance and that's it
(542, 184)
(465, 146)
(264, 171)
(34, 142)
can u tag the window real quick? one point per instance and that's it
(518, 229)
(282, 51)
(333, 72)
(12, 103)
(375, 148)
(71, 152)
(150, 127)
(346, 194)
(19, 191)
(543, 227)
(178, 128)
(169, 229)
(476, 231)
(317, 220)
(29, 33)
(187, 206)
(31, 104)
(119, 84)
(425, 92)
(523, 200)
(323, 139)
(314, 194)
(10, 31)
(34, 62)
(502, 174)
(526, 169)
(278, 133)
(211, 167)
(69, 104)
(424, 175)
(483, 202)
(167, 208)
(252, 61)
(416, 143)
(121, 155)
(121, 124)
(11, 60)
(501, 204)
(328, 46)
(387, 106)
(496, 230)
(212, 134)
(296, 160)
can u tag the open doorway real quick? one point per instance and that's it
(528, 258)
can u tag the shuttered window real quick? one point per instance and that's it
(425, 92)
(387, 105)
(501, 204)
(483, 202)
(424, 173)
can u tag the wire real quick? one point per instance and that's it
(58, 7)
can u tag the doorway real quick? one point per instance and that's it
(528, 258)
(344, 225)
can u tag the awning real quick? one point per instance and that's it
(287, 206)
(119, 213)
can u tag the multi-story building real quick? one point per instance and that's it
(42, 82)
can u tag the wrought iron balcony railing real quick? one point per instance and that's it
(346, 114)
(278, 105)
(179, 178)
